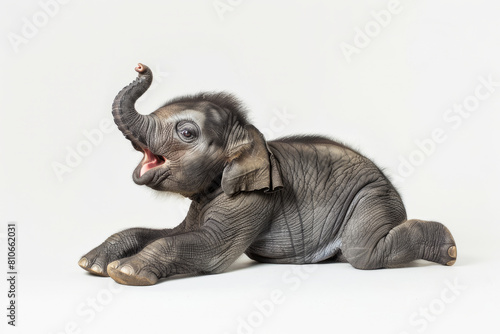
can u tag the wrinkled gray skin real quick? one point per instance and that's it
(293, 200)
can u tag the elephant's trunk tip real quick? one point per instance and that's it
(141, 68)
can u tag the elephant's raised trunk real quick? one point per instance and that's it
(133, 125)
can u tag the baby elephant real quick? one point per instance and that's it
(299, 199)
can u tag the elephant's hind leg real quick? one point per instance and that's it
(379, 236)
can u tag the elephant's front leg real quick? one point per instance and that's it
(119, 245)
(208, 250)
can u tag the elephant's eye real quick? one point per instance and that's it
(187, 131)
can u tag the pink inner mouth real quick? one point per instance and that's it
(150, 161)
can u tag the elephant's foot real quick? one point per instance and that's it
(117, 246)
(440, 246)
(114, 248)
(408, 241)
(131, 271)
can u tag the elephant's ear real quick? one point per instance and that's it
(252, 166)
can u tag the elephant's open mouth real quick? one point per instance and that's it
(152, 170)
(150, 161)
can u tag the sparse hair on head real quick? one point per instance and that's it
(222, 100)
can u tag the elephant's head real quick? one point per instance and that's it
(192, 141)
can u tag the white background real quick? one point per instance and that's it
(286, 56)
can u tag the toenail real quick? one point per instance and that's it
(452, 251)
(83, 262)
(127, 270)
(114, 264)
(96, 268)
